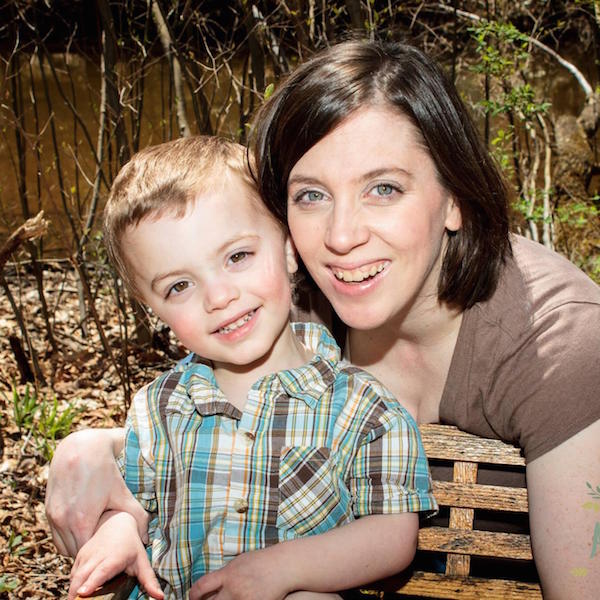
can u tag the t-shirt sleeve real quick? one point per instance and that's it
(548, 387)
(390, 473)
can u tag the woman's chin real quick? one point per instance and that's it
(360, 319)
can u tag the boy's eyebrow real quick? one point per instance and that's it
(232, 240)
(158, 278)
(236, 238)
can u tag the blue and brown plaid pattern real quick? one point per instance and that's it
(315, 447)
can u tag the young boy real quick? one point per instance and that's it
(269, 464)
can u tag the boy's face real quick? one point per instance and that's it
(218, 276)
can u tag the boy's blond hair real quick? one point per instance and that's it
(166, 178)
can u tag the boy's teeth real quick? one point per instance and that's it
(358, 275)
(237, 324)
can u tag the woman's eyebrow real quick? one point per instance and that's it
(305, 179)
(374, 173)
(301, 179)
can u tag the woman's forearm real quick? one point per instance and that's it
(83, 482)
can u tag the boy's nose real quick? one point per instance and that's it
(346, 228)
(219, 294)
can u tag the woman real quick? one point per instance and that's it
(400, 218)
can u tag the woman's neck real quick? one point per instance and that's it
(411, 357)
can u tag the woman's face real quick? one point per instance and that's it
(368, 217)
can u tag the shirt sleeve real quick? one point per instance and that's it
(390, 473)
(546, 389)
(136, 460)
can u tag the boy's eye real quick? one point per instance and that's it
(238, 257)
(179, 287)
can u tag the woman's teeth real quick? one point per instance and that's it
(358, 275)
(237, 324)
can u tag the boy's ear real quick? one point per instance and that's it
(290, 256)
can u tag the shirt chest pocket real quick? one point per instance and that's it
(312, 498)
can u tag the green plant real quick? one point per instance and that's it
(52, 425)
(24, 407)
(15, 543)
(8, 583)
(42, 419)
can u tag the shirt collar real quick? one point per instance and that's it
(310, 381)
(307, 382)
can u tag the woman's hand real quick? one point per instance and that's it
(83, 482)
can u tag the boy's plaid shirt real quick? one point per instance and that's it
(316, 447)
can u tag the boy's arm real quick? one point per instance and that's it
(365, 550)
(115, 547)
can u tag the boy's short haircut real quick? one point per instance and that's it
(166, 178)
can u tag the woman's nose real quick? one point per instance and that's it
(219, 293)
(346, 228)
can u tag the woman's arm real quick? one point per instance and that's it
(564, 516)
(83, 482)
(365, 550)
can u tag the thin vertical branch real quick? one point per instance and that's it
(80, 268)
(167, 43)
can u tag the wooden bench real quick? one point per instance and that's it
(458, 542)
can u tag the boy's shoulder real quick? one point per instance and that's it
(171, 384)
(359, 379)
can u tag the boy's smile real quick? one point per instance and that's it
(219, 277)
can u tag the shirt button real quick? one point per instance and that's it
(240, 505)
(250, 437)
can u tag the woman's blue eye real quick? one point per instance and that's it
(384, 189)
(310, 196)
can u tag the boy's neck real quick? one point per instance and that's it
(235, 381)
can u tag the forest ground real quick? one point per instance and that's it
(84, 381)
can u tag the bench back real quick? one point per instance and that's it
(459, 542)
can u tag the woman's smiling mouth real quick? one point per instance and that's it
(359, 274)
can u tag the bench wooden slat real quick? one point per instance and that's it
(450, 443)
(488, 497)
(438, 585)
(477, 543)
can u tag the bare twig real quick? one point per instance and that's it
(105, 344)
(30, 230)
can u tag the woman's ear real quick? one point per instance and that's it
(290, 256)
(453, 216)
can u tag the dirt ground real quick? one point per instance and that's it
(82, 378)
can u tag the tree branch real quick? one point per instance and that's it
(30, 230)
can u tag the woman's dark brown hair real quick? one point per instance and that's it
(351, 75)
